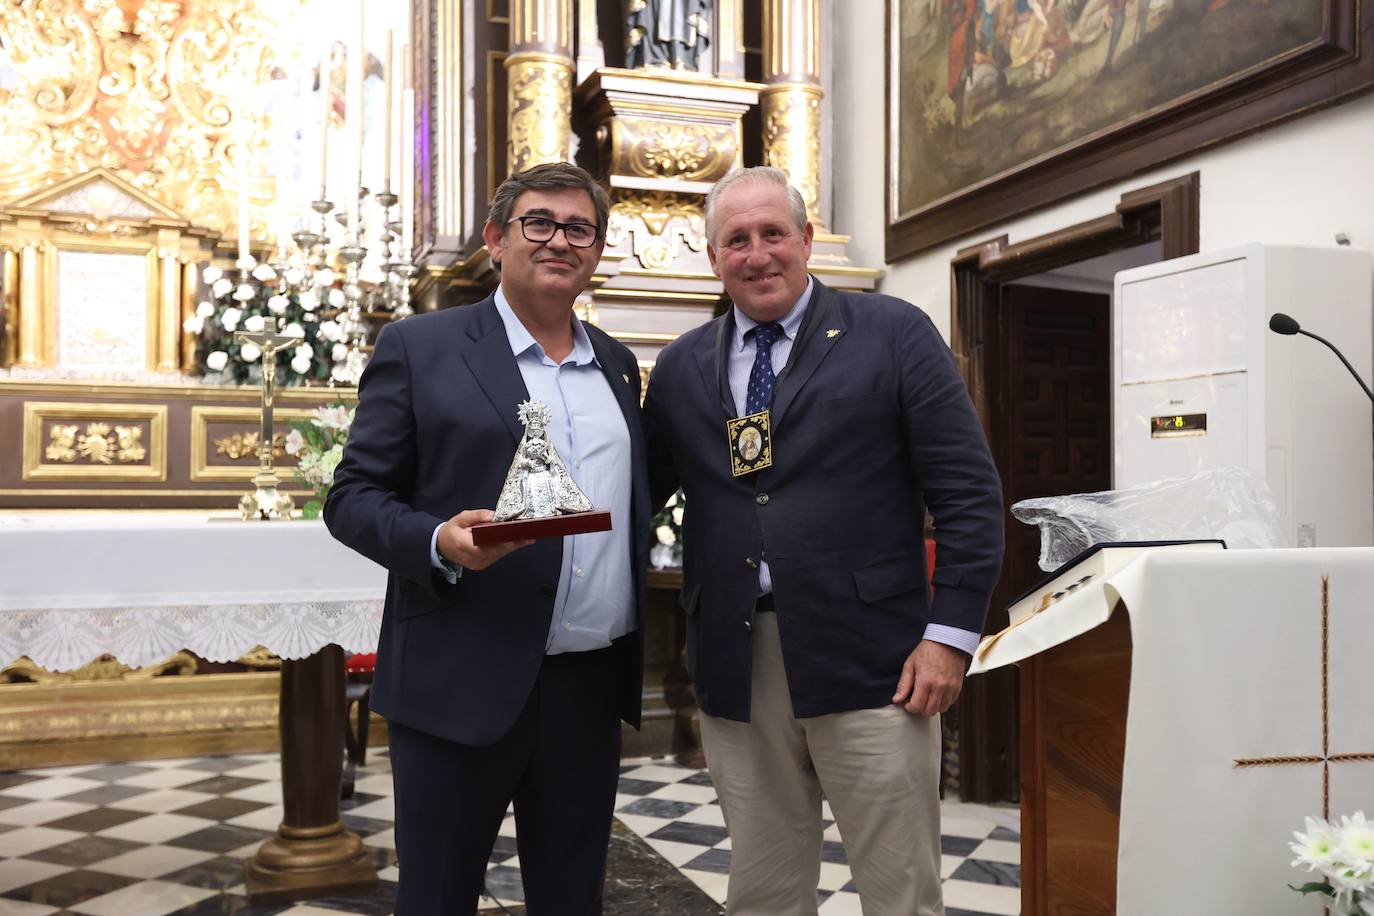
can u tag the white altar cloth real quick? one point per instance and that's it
(73, 590)
(1234, 665)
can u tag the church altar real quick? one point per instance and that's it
(74, 589)
(1248, 709)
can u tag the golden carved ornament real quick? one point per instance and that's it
(539, 104)
(792, 139)
(657, 224)
(158, 91)
(104, 668)
(261, 659)
(98, 444)
(668, 149)
(245, 445)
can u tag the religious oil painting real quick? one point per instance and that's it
(980, 91)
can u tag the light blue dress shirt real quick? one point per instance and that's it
(595, 600)
(742, 351)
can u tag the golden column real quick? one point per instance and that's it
(9, 271)
(169, 312)
(33, 344)
(792, 101)
(539, 72)
(190, 285)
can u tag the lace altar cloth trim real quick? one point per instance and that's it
(66, 639)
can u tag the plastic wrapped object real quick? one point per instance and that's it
(1228, 503)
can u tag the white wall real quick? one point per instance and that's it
(1299, 183)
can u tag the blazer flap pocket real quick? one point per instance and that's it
(888, 578)
(688, 598)
(414, 601)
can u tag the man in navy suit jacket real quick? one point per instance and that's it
(503, 673)
(820, 660)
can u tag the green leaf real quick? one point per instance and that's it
(312, 509)
(1314, 887)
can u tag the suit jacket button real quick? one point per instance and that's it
(761, 499)
(748, 625)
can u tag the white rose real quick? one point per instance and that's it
(244, 293)
(193, 325)
(309, 301)
(337, 299)
(264, 273)
(665, 535)
(293, 330)
(294, 442)
(254, 323)
(301, 364)
(211, 274)
(310, 316)
(329, 330)
(217, 361)
(305, 351)
(324, 277)
(221, 287)
(205, 310)
(340, 351)
(341, 373)
(230, 319)
(277, 305)
(677, 516)
(250, 352)
(294, 276)
(672, 500)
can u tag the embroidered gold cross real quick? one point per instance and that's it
(1325, 758)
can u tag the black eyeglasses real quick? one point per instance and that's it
(542, 229)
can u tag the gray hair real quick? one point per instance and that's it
(548, 176)
(762, 174)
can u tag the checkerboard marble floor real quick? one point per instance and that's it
(164, 837)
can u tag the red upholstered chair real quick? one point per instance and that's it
(357, 692)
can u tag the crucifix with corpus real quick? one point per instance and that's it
(266, 502)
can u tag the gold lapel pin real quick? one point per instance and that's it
(833, 333)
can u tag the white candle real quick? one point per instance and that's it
(244, 256)
(286, 117)
(408, 171)
(357, 67)
(386, 79)
(326, 60)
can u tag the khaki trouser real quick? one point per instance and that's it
(878, 768)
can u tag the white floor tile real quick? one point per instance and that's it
(677, 854)
(390, 873)
(382, 809)
(705, 814)
(268, 819)
(956, 825)
(146, 898)
(379, 784)
(266, 769)
(269, 793)
(982, 898)
(151, 861)
(24, 840)
(157, 828)
(52, 788)
(64, 771)
(165, 779)
(697, 795)
(162, 800)
(386, 839)
(40, 812)
(712, 883)
(833, 876)
(21, 872)
(21, 908)
(844, 903)
(949, 864)
(640, 824)
(658, 773)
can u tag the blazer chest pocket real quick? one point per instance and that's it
(853, 427)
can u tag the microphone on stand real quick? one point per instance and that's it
(1280, 323)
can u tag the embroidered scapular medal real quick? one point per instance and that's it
(751, 443)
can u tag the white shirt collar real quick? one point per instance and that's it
(791, 322)
(521, 339)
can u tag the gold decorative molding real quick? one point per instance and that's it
(658, 148)
(159, 94)
(657, 224)
(64, 441)
(105, 668)
(233, 433)
(539, 102)
(792, 139)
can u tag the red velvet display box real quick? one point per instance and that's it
(531, 528)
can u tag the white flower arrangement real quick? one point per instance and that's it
(1344, 857)
(318, 444)
(667, 552)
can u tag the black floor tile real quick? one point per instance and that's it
(657, 807)
(95, 820)
(213, 874)
(833, 852)
(504, 882)
(712, 860)
(986, 872)
(10, 780)
(82, 852)
(221, 785)
(114, 771)
(1002, 833)
(70, 888)
(221, 809)
(628, 786)
(218, 764)
(220, 838)
(107, 795)
(695, 834)
(698, 779)
(958, 845)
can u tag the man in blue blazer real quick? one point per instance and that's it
(504, 672)
(810, 430)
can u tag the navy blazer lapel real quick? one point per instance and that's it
(493, 364)
(713, 358)
(821, 328)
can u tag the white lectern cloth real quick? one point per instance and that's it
(1229, 653)
(72, 591)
